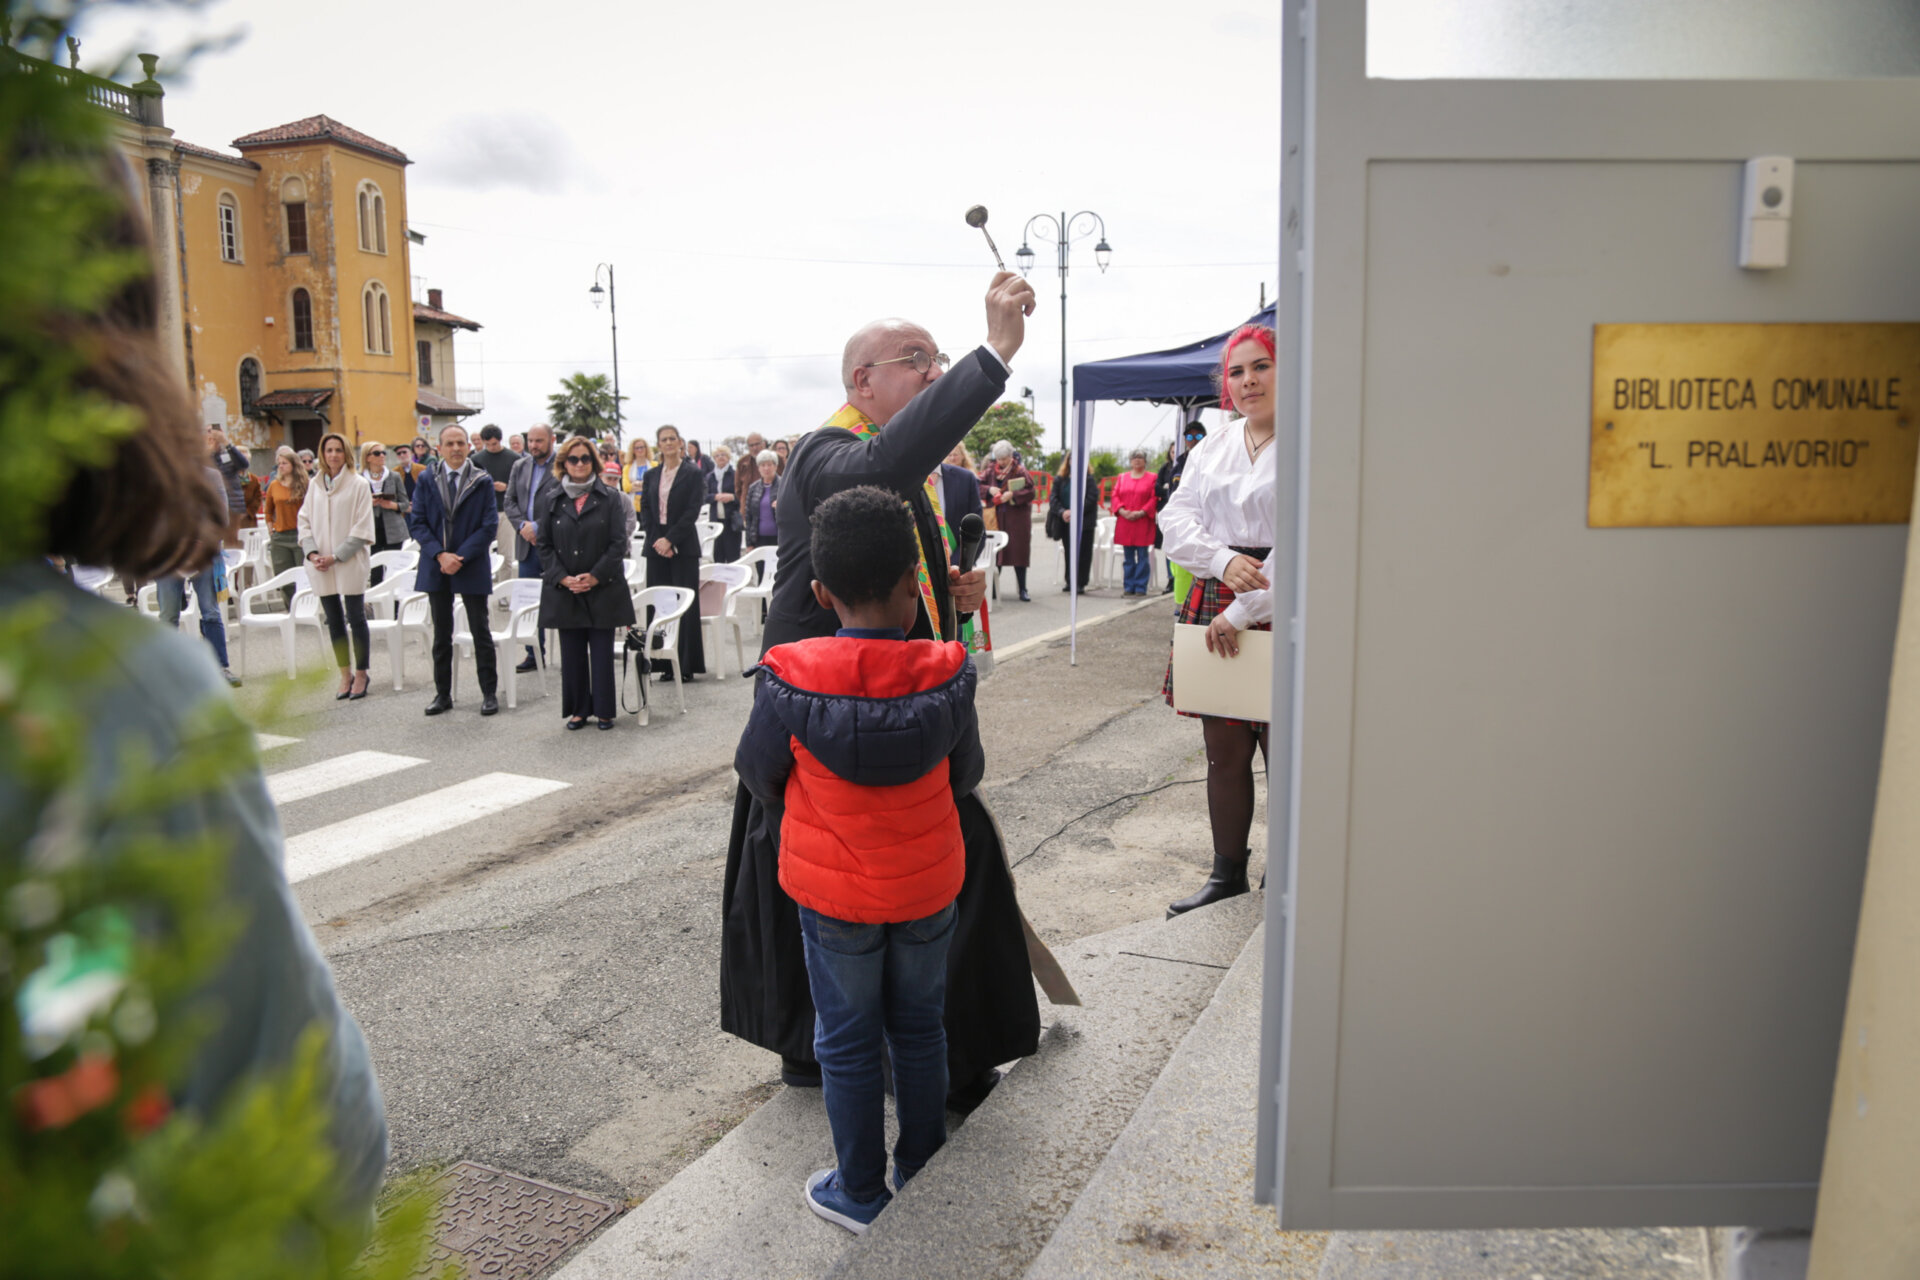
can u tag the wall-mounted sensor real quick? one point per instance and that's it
(1766, 211)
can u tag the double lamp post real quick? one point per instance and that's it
(1063, 232)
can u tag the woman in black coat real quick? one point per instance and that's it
(672, 541)
(583, 542)
(1061, 503)
(727, 492)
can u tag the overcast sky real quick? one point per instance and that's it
(766, 177)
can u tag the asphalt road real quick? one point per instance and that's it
(539, 983)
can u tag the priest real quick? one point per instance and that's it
(907, 406)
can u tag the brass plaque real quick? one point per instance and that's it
(1753, 424)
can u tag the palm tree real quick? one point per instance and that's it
(584, 405)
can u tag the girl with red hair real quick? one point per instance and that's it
(1219, 527)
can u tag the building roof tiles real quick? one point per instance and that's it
(434, 315)
(317, 129)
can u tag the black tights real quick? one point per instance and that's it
(1230, 745)
(354, 621)
(1020, 576)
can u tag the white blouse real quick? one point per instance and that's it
(1224, 500)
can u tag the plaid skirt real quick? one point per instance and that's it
(1206, 600)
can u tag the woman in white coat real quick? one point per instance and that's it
(336, 528)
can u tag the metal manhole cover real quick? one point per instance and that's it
(502, 1225)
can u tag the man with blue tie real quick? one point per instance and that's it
(527, 486)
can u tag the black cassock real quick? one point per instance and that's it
(992, 1015)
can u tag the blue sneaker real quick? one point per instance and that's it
(826, 1197)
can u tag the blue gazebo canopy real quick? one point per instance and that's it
(1183, 375)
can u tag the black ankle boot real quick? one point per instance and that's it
(1229, 880)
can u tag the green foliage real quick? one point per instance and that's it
(1104, 462)
(1009, 421)
(584, 405)
(112, 886)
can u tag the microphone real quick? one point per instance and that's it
(973, 532)
(977, 217)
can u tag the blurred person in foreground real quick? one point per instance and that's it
(904, 413)
(140, 504)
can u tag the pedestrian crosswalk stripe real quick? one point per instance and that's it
(329, 775)
(327, 848)
(268, 741)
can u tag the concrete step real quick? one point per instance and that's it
(737, 1210)
(1174, 1195)
(988, 1202)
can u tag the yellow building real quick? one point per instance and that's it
(284, 273)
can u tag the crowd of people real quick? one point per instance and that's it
(867, 900)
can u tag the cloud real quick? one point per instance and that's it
(522, 151)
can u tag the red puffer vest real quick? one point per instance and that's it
(870, 833)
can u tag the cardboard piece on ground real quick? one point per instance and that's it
(1208, 684)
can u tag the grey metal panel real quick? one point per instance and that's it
(1611, 788)
(1334, 1161)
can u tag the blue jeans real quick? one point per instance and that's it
(1136, 572)
(171, 594)
(872, 981)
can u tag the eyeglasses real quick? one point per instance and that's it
(584, 459)
(920, 361)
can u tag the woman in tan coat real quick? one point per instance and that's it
(336, 528)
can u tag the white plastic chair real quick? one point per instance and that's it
(284, 623)
(763, 562)
(669, 605)
(521, 596)
(1106, 556)
(399, 569)
(148, 600)
(413, 617)
(720, 587)
(990, 549)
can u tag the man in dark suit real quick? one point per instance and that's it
(527, 486)
(905, 412)
(455, 520)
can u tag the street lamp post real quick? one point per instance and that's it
(1065, 231)
(613, 317)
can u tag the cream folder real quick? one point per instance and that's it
(1208, 684)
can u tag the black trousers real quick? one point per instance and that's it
(441, 603)
(340, 623)
(587, 685)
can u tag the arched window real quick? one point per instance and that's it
(293, 206)
(377, 314)
(229, 215)
(249, 386)
(302, 320)
(373, 218)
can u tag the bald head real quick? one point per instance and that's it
(879, 340)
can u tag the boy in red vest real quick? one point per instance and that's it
(857, 745)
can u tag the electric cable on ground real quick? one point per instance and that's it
(1131, 795)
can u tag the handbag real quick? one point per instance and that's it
(634, 646)
(1056, 525)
